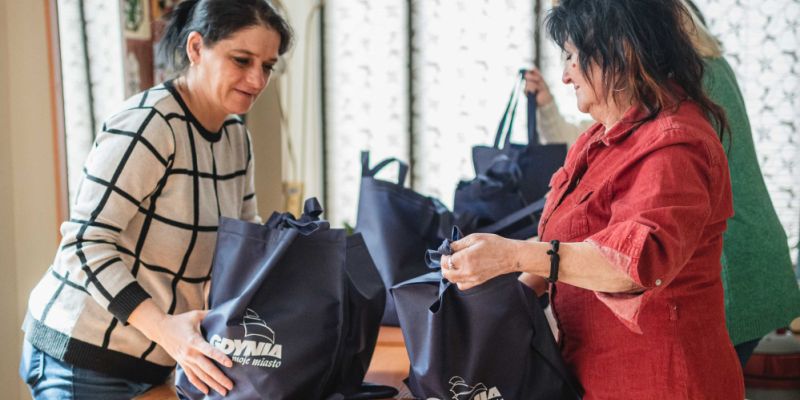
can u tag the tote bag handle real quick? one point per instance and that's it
(507, 121)
(366, 171)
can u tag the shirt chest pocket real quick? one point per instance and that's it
(557, 186)
(570, 220)
(558, 183)
(579, 214)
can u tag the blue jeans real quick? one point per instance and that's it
(51, 378)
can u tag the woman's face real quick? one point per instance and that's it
(234, 71)
(586, 93)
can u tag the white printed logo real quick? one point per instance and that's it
(260, 350)
(461, 391)
(255, 326)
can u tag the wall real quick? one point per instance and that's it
(28, 231)
(302, 119)
(264, 124)
(8, 290)
(300, 93)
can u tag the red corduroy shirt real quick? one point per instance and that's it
(654, 198)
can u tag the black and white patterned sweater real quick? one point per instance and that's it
(143, 224)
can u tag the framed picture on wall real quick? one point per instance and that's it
(138, 45)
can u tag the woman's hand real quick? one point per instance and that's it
(480, 257)
(179, 335)
(534, 83)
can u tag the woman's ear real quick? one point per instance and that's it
(193, 45)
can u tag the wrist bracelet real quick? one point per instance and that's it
(554, 260)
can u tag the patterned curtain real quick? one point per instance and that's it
(465, 58)
(451, 82)
(761, 40)
(91, 68)
(106, 57)
(366, 94)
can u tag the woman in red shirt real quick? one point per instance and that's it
(639, 209)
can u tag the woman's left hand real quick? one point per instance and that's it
(480, 257)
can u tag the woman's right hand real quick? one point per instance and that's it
(534, 83)
(179, 335)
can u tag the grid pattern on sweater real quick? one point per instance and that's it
(143, 225)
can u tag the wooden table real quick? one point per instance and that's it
(389, 366)
(390, 362)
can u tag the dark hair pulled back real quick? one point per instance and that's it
(639, 46)
(216, 20)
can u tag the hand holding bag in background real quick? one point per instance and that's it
(537, 162)
(294, 305)
(507, 195)
(399, 225)
(488, 342)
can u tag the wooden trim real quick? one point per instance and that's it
(56, 112)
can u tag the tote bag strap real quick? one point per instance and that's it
(533, 134)
(507, 121)
(308, 223)
(513, 218)
(366, 171)
(433, 258)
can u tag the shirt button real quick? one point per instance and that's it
(658, 282)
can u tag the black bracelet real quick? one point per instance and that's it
(554, 260)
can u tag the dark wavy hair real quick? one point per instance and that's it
(216, 20)
(638, 45)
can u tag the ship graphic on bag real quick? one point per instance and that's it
(260, 350)
(255, 326)
(460, 390)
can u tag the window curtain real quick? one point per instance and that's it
(419, 80)
(424, 80)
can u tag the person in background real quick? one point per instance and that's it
(636, 214)
(122, 301)
(761, 293)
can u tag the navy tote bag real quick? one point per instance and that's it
(536, 162)
(399, 225)
(295, 305)
(507, 195)
(493, 203)
(365, 300)
(488, 342)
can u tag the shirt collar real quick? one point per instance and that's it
(624, 127)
